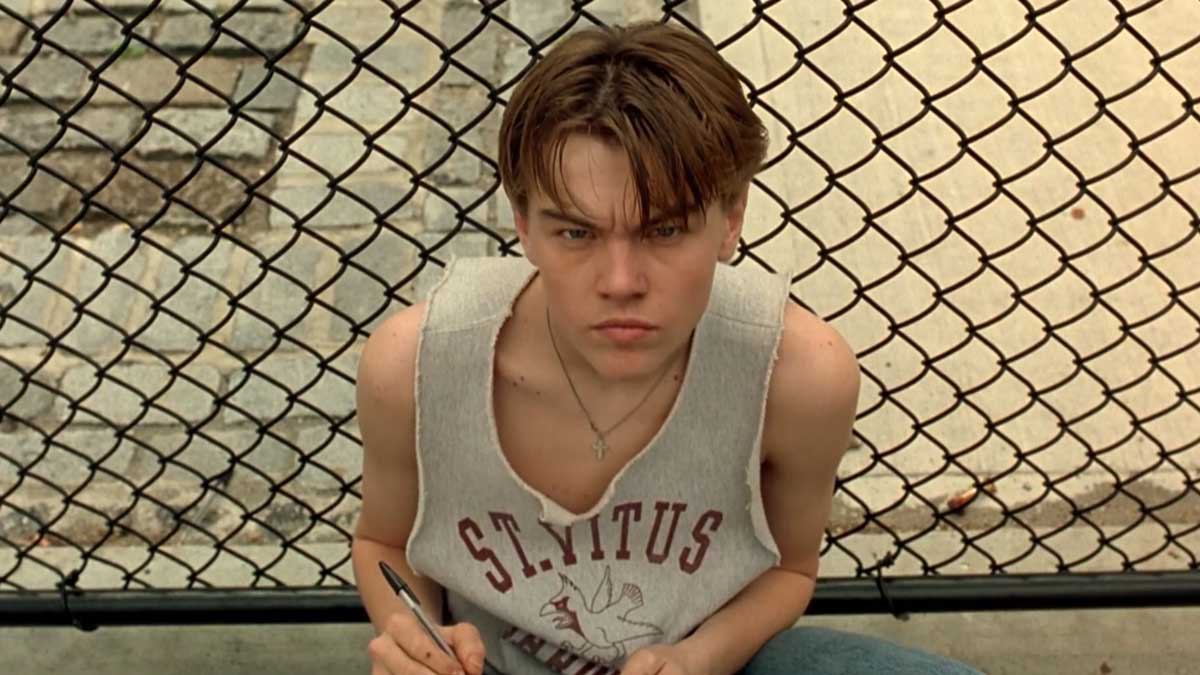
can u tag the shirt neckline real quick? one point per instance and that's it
(551, 511)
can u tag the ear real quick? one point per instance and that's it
(732, 219)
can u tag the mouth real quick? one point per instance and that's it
(621, 334)
(625, 331)
(625, 323)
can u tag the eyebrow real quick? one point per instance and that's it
(583, 222)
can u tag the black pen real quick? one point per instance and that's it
(401, 589)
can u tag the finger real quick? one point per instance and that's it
(411, 638)
(643, 663)
(387, 658)
(468, 646)
(424, 650)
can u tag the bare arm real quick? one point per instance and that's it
(386, 418)
(390, 491)
(810, 411)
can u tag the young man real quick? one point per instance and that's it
(618, 454)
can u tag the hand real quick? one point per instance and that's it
(660, 660)
(404, 648)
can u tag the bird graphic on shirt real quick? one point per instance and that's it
(604, 623)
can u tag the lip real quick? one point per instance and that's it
(624, 332)
(625, 323)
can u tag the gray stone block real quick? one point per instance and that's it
(473, 120)
(442, 214)
(330, 62)
(32, 252)
(481, 52)
(263, 394)
(19, 7)
(276, 295)
(465, 108)
(343, 210)
(265, 5)
(20, 393)
(268, 32)
(48, 77)
(136, 194)
(212, 192)
(34, 128)
(92, 335)
(46, 271)
(358, 23)
(337, 153)
(113, 299)
(261, 453)
(367, 101)
(538, 19)
(14, 224)
(78, 35)
(280, 93)
(43, 195)
(10, 34)
(361, 291)
(193, 460)
(21, 526)
(150, 79)
(66, 459)
(335, 458)
(407, 57)
(183, 460)
(462, 167)
(242, 140)
(187, 33)
(190, 294)
(119, 405)
(138, 6)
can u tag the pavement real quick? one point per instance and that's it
(1094, 642)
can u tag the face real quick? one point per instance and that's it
(622, 300)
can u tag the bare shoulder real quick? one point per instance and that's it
(813, 393)
(385, 399)
(388, 359)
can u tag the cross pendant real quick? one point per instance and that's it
(600, 446)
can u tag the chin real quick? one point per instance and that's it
(628, 364)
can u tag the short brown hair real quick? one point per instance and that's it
(663, 94)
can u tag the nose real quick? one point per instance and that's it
(622, 275)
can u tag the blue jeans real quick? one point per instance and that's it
(810, 650)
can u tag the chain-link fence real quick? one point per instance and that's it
(207, 205)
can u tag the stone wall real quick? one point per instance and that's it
(203, 225)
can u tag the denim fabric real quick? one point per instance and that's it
(809, 650)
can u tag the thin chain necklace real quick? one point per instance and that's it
(600, 445)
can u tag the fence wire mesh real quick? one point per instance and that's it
(207, 205)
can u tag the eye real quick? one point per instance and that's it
(666, 231)
(574, 234)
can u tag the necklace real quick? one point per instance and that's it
(600, 445)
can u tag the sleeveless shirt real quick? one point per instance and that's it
(679, 531)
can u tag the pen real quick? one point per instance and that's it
(401, 589)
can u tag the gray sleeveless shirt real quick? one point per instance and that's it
(679, 531)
